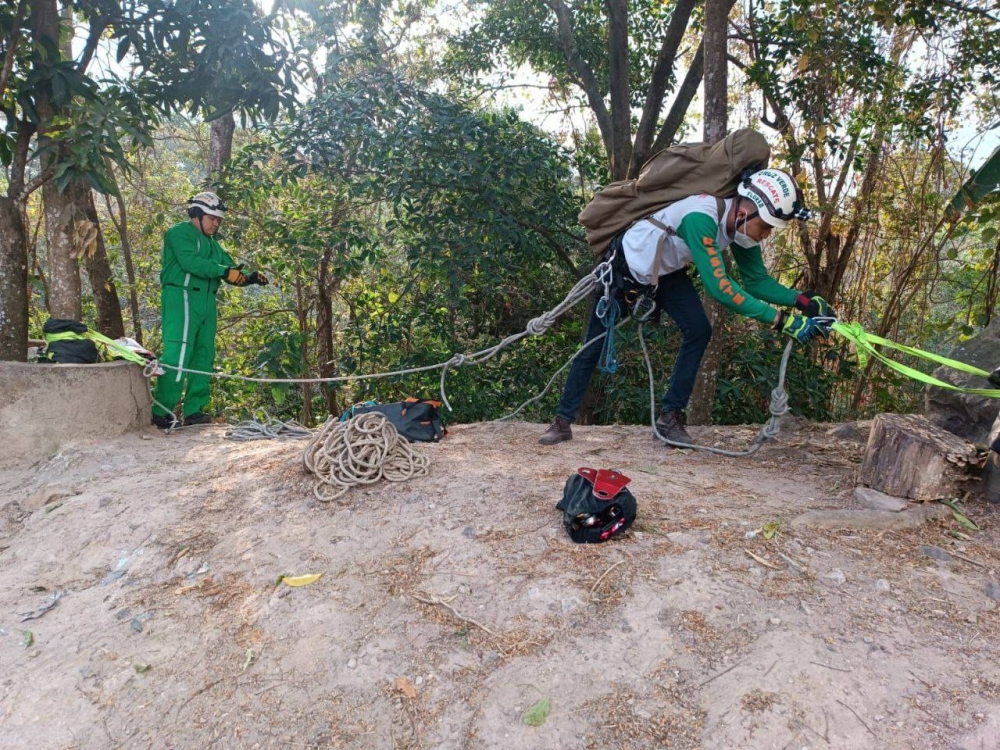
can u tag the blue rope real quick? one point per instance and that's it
(608, 312)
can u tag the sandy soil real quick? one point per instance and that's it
(450, 605)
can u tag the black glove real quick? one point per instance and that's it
(995, 445)
(994, 378)
(235, 276)
(813, 306)
(258, 278)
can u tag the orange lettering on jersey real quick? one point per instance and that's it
(739, 299)
(707, 241)
(715, 260)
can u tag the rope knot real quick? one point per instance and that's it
(456, 361)
(538, 326)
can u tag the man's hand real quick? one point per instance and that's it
(258, 278)
(235, 276)
(812, 305)
(799, 327)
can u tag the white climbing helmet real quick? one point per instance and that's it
(777, 196)
(209, 203)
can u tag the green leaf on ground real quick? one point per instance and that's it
(140, 667)
(537, 714)
(29, 638)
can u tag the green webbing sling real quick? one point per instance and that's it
(865, 343)
(111, 347)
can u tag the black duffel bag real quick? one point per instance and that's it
(416, 419)
(66, 344)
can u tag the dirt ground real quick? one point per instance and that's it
(450, 605)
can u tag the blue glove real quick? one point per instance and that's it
(800, 328)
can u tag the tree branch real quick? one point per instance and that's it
(97, 27)
(662, 69)
(621, 111)
(15, 38)
(681, 102)
(584, 74)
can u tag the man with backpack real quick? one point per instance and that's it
(649, 263)
(193, 267)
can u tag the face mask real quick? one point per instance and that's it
(742, 239)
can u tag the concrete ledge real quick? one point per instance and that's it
(46, 407)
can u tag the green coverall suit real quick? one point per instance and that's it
(192, 269)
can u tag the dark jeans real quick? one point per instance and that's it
(677, 297)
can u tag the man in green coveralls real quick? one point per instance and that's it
(194, 265)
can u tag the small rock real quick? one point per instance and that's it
(993, 591)
(875, 500)
(690, 539)
(805, 608)
(642, 713)
(850, 431)
(775, 621)
(418, 680)
(469, 532)
(352, 663)
(626, 628)
(869, 639)
(489, 657)
(972, 619)
(882, 585)
(834, 578)
(570, 604)
(936, 553)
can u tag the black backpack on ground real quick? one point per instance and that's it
(416, 419)
(597, 505)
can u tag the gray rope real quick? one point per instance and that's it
(266, 427)
(536, 327)
(778, 408)
(361, 450)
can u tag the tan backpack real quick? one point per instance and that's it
(669, 176)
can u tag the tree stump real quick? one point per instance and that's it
(907, 456)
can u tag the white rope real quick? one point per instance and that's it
(362, 450)
(536, 327)
(266, 427)
(779, 407)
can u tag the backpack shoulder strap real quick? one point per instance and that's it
(720, 203)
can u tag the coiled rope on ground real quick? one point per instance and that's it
(361, 450)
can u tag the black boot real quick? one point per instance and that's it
(670, 426)
(559, 431)
(199, 417)
(165, 422)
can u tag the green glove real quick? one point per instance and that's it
(799, 327)
(812, 305)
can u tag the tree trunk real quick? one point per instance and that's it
(13, 282)
(121, 226)
(325, 287)
(221, 144)
(907, 456)
(716, 123)
(621, 112)
(64, 270)
(302, 315)
(102, 279)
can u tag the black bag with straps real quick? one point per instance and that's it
(597, 505)
(416, 419)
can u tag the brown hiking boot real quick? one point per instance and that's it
(670, 426)
(558, 432)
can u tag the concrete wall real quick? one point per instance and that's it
(46, 407)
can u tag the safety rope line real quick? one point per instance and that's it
(536, 327)
(778, 408)
(362, 450)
